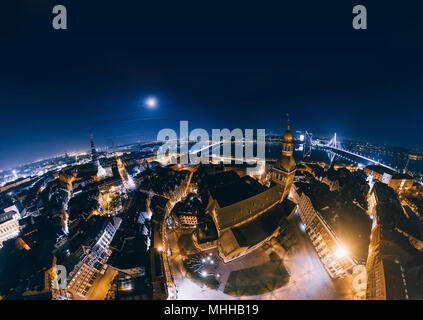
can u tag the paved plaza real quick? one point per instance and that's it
(308, 279)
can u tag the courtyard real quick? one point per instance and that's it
(259, 279)
(285, 268)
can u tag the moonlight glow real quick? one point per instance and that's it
(151, 103)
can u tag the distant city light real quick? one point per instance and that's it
(151, 103)
(302, 137)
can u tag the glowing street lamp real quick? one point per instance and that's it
(340, 252)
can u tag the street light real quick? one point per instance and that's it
(340, 252)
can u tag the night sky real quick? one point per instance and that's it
(243, 65)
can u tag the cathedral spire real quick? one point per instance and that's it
(287, 137)
(289, 125)
(283, 171)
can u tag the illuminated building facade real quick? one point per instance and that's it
(385, 275)
(331, 253)
(187, 213)
(17, 208)
(159, 276)
(392, 247)
(340, 235)
(401, 182)
(92, 259)
(9, 226)
(83, 279)
(14, 184)
(397, 181)
(187, 219)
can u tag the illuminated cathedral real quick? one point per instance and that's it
(283, 172)
(247, 214)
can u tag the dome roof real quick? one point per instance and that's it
(288, 137)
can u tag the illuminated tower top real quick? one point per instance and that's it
(288, 146)
(286, 163)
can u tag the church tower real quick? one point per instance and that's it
(93, 151)
(283, 172)
(101, 173)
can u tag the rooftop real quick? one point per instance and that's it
(206, 232)
(401, 176)
(4, 217)
(350, 223)
(380, 169)
(255, 231)
(228, 188)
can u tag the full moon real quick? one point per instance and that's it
(151, 102)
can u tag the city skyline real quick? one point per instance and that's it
(86, 150)
(59, 86)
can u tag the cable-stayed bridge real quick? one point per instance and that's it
(335, 147)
